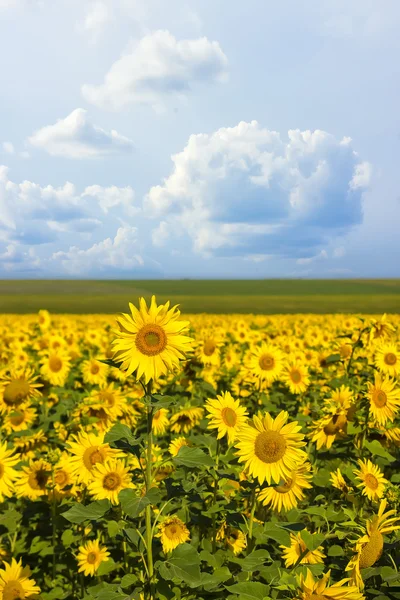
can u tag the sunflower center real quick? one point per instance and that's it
(172, 531)
(17, 419)
(91, 558)
(380, 399)
(209, 347)
(372, 550)
(229, 416)
(16, 391)
(55, 364)
(266, 362)
(107, 397)
(285, 487)
(13, 590)
(296, 376)
(111, 481)
(269, 446)
(38, 479)
(92, 456)
(184, 420)
(390, 359)
(151, 339)
(335, 425)
(371, 481)
(61, 478)
(94, 369)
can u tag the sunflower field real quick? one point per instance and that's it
(151, 456)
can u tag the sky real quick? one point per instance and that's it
(199, 139)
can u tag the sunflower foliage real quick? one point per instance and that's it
(217, 457)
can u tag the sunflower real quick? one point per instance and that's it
(150, 341)
(20, 418)
(384, 398)
(33, 480)
(296, 377)
(337, 480)
(172, 532)
(160, 421)
(55, 367)
(177, 444)
(234, 538)
(110, 398)
(87, 450)
(30, 445)
(187, 418)
(298, 548)
(266, 363)
(387, 359)
(7, 474)
(15, 583)
(372, 480)
(108, 479)
(289, 492)
(226, 415)
(90, 557)
(318, 589)
(380, 329)
(44, 319)
(18, 387)
(328, 428)
(270, 447)
(94, 372)
(368, 548)
(64, 481)
(209, 349)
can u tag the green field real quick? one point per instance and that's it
(208, 296)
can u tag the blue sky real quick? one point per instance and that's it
(146, 138)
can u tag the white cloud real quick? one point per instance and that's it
(98, 15)
(113, 196)
(245, 191)
(76, 137)
(8, 148)
(156, 67)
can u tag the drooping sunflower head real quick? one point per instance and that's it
(297, 549)
(318, 589)
(289, 492)
(184, 420)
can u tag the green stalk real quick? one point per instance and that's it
(148, 473)
(214, 517)
(251, 521)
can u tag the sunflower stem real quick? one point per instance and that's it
(251, 521)
(214, 517)
(149, 458)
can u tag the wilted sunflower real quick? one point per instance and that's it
(318, 589)
(387, 359)
(384, 398)
(15, 583)
(270, 447)
(33, 480)
(184, 420)
(372, 480)
(8, 475)
(289, 492)
(226, 415)
(172, 532)
(160, 421)
(296, 377)
(298, 548)
(150, 341)
(368, 548)
(87, 450)
(90, 557)
(108, 479)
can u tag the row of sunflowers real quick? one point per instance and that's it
(220, 456)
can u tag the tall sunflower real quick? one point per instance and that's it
(372, 480)
(151, 340)
(226, 415)
(384, 398)
(15, 583)
(86, 450)
(289, 492)
(271, 448)
(318, 589)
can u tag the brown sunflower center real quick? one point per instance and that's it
(55, 364)
(371, 481)
(17, 419)
(296, 376)
(173, 531)
(209, 347)
(91, 558)
(16, 391)
(107, 397)
(61, 478)
(37, 479)
(380, 399)
(13, 590)
(285, 487)
(229, 416)
(91, 456)
(335, 425)
(390, 359)
(94, 369)
(266, 362)
(111, 481)
(372, 550)
(151, 339)
(269, 446)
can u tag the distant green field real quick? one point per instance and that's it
(208, 296)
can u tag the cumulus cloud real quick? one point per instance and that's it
(118, 255)
(112, 196)
(156, 67)
(246, 191)
(77, 137)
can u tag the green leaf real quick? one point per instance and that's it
(193, 457)
(275, 532)
(254, 560)
(249, 590)
(293, 526)
(377, 449)
(106, 567)
(112, 528)
(134, 505)
(333, 358)
(120, 432)
(159, 401)
(80, 513)
(128, 580)
(336, 550)
(312, 540)
(212, 580)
